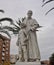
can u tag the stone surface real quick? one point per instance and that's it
(27, 39)
(28, 63)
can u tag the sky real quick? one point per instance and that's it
(18, 9)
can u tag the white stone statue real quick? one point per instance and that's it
(31, 52)
(23, 43)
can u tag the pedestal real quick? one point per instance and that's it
(28, 63)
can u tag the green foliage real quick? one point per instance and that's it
(52, 59)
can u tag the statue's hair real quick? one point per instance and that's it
(30, 11)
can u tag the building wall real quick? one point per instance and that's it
(1, 42)
(4, 49)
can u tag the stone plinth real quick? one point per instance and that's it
(28, 63)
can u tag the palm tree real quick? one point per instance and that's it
(5, 29)
(16, 25)
(47, 3)
(52, 59)
(15, 29)
(2, 20)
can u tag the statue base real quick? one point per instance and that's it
(28, 63)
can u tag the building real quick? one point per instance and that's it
(4, 49)
(46, 62)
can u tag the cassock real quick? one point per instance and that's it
(34, 52)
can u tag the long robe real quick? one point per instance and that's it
(22, 42)
(34, 52)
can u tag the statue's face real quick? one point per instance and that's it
(29, 14)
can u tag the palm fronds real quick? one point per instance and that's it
(49, 11)
(6, 19)
(43, 0)
(44, 3)
(8, 28)
(47, 2)
(23, 19)
(1, 10)
(16, 26)
(4, 29)
(6, 32)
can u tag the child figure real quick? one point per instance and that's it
(23, 43)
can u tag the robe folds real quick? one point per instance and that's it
(34, 52)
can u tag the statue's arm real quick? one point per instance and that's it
(35, 25)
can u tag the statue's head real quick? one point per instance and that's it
(29, 13)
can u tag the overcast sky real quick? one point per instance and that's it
(18, 9)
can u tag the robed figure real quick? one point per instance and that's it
(31, 28)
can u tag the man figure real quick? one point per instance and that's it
(32, 25)
(23, 43)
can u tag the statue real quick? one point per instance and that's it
(29, 49)
(23, 43)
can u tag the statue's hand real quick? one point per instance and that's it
(33, 29)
